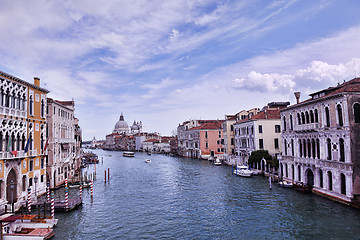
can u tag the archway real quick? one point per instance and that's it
(11, 187)
(309, 178)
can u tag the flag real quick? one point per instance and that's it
(46, 144)
(14, 153)
(27, 145)
(9, 145)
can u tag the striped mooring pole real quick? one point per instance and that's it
(66, 194)
(80, 193)
(29, 199)
(48, 192)
(92, 188)
(52, 205)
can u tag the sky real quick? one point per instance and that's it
(166, 62)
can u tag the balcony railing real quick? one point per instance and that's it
(12, 112)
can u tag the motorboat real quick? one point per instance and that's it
(286, 184)
(149, 153)
(12, 230)
(147, 160)
(217, 162)
(128, 154)
(34, 221)
(242, 171)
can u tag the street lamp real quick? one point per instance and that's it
(35, 180)
(12, 186)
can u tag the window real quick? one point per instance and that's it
(343, 183)
(285, 146)
(342, 150)
(42, 162)
(284, 119)
(357, 112)
(299, 118)
(304, 146)
(321, 178)
(206, 144)
(307, 117)
(219, 134)
(327, 116)
(31, 165)
(42, 108)
(292, 147)
(261, 143)
(232, 141)
(31, 110)
(30, 182)
(277, 128)
(42, 178)
(231, 127)
(313, 148)
(318, 148)
(260, 129)
(276, 143)
(300, 148)
(311, 116)
(330, 180)
(340, 115)
(328, 141)
(291, 123)
(302, 118)
(206, 134)
(316, 115)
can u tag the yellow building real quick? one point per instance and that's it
(22, 139)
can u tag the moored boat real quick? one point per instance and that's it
(147, 160)
(242, 171)
(286, 184)
(128, 154)
(217, 162)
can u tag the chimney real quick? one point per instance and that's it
(37, 81)
(297, 96)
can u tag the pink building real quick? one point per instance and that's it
(205, 140)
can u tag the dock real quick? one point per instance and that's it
(59, 206)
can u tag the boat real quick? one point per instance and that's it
(147, 160)
(149, 153)
(286, 184)
(242, 171)
(128, 154)
(217, 162)
(15, 231)
(35, 221)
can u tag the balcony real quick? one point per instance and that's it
(12, 112)
(9, 155)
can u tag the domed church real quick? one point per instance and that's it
(121, 126)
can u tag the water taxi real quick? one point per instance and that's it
(242, 171)
(128, 154)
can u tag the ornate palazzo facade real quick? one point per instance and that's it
(321, 141)
(22, 139)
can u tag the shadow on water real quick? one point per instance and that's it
(178, 198)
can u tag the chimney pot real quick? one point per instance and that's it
(37, 81)
(297, 96)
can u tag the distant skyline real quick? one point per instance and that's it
(165, 62)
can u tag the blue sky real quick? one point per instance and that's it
(165, 62)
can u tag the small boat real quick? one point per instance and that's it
(34, 221)
(149, 153)
(15, 231)
(242, 171)
(286, 184)
(147, 160)
(128, 154)
(217, 162)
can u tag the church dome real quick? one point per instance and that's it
(135, 127)
(121, 126)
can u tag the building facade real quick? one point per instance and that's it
(64, 150)
(321, 142)
(22, 140)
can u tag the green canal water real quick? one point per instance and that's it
(178, 198)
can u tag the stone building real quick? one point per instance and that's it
(22, 140)
(64, 134)
(321, 141)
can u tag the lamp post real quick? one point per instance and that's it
(35, 180)
(12, 186)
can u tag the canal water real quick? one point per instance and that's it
(178, 198)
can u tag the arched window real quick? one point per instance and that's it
(299, 118)
(340, 115)
(42, 108)
(302, 118)
(299, 173)
(31, 106)
(357, 112)
(300, 148)
(311, 116)
(292, 147)
(318, 148)
(342, 150)
(343, 183)
(328, 142)
(291, 123)
(307, 117)
(313, 148)
(292, 171)
(316, 115)
(330, 180)
(284, 119)
(321, 178)
(309, 148)
(285, 147)
(7, 100)
(304, 146)
(327, 116)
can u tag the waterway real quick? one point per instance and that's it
(178, 198)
